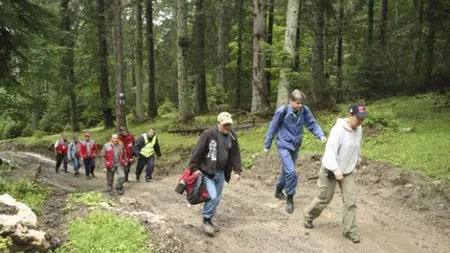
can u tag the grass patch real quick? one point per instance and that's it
(103, 231)
(86, 198)
(5, 243)
(425, 147)
(27, 192)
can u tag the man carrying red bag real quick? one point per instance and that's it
(216, 154)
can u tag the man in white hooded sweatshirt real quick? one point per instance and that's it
(341, 157)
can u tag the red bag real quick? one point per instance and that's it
(195, 186)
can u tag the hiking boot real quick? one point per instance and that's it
(138, 179)
(354, 237)
(290, 204)
(120, 191)
(56, 170)
(92, 174)
(209, 227)
(147, 179)
(308, 223)
(279, 193)
(76, 174)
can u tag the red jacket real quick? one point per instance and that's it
(61, 147)
(83, 149)
(128, 142)
(109, 155)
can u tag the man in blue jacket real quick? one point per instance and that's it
(287, 124)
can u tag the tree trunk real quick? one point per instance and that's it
(183, 46)
(370, 16)
(119, 65)
(432, 20)
(269, 41)
(259, 91)
(201, 104)
(319, 91)
(221, 45)
(289, 51)
(67, 62)
(105, 94)
(237, 96)
(139, 60)
(152, 111)
(418, 57)
(297, 40)
(339, 94)
(383, 26)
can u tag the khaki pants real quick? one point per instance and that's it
(325, 195)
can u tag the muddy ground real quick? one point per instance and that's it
(397, 212)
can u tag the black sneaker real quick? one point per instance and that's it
(76, 174)
(209, 227)
(290, 205)
(354, 237)
(279, 194)
(147, 180)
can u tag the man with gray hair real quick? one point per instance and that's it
(287, 124)
(115, 161)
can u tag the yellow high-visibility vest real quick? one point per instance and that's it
(149, 147)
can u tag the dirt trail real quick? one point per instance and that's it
(252, 220)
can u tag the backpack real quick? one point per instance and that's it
(195, 186)
(283, 115)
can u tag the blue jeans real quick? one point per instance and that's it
(288, 176)
(214, 187)
(76, 164)
(89, 165)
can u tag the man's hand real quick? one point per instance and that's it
(338, 174)
(324, 139)
(236, 177)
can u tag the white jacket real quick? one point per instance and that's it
(343, 148)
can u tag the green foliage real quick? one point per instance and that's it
(48, 124)
(86, 198)
(27, 130)
(103, 231)
(10, 128)
(38, 134)
(383, 118)
(216, 95)
(5, 243)
(166, 108)
(25, 191)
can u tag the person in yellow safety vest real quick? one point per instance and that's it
(145, 148)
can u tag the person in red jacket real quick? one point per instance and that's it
(88, 151)
(128, 141)
(61, 147)
(115, 159)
